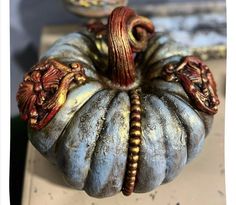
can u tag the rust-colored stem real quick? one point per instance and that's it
(127, 33)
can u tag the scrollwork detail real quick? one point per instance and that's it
(44, 90)
(197, 80)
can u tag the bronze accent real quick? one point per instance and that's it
(44, 90)
(198, 82)
(134, 143)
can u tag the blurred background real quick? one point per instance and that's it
(200, 24)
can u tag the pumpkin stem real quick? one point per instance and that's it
(127, 34)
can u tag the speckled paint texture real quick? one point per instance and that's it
(88, 137)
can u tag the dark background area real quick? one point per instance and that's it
(28, 17)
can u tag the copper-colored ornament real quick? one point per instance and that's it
(198, 82)
(44, 90)
(118, 107)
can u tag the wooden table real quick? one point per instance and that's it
(200, 183)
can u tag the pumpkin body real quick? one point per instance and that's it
(108, 128)
(88, 137)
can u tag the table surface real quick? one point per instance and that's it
(201, 182)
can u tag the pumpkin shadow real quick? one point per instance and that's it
(22, 167)
(18, 144)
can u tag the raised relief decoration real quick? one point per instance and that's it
(198, 82)
(44, 89)
(132, 127)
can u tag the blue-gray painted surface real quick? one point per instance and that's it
(88, 137)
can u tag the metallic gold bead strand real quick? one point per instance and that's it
(134, 143)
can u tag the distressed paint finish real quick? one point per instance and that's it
(76, 47)
(44, 139)
(176, 89)
(152, 164)
(160, 47)
(107, 170)
(76, 145)
(89, 137)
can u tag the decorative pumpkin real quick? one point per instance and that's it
(118, 107)
(93, 8)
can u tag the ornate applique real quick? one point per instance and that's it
(44, 90)
(197, 80)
